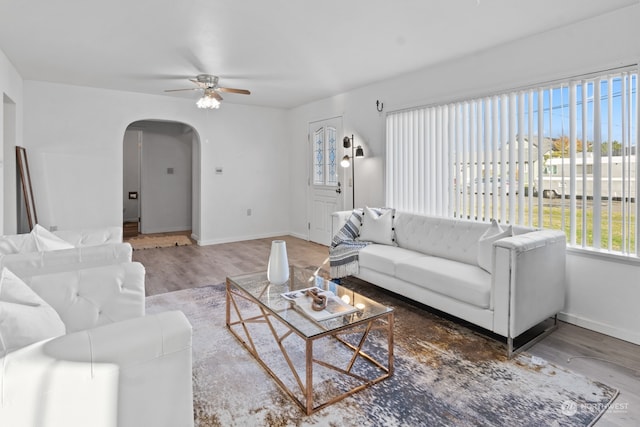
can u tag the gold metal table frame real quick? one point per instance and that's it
(284, 320)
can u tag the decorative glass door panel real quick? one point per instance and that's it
(325, 195)
(325, 171)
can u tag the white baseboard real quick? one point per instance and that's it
(616, 332)
(242, 238)
(166, 229)
(299, 236)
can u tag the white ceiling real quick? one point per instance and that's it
(287, 52)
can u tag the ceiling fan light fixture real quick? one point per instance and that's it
(209, 102)
(211, 98)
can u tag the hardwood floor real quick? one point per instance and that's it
(174, 268)
(600, 357)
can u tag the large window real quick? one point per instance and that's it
(558, 156)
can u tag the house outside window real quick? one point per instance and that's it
(560, 156)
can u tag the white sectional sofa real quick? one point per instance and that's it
(471, 270)
(41, 239)
(76, 350)
(48, 252)
(91, 236)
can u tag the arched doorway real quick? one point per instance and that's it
(160, 189)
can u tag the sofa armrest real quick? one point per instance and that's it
(91, 237)
(528, 280)
(131, 373)
(338, 219)
(90, 297)
(32, 263)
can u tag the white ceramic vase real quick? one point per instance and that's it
(278, 270)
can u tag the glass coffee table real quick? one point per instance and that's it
(350, 349)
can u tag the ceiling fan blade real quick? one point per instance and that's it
(179, 90)
(231, 90)
(216, 95)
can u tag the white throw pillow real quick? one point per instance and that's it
(485, 244)
(47, 241)
(25, 318)
(378, 228)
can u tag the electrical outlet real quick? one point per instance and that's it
(53, 228)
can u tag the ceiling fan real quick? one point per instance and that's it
(211, 97)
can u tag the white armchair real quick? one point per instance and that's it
(113, 367)
(91, 236)
(42, 239)
(92, 297)
(43, 262)
(42, 251)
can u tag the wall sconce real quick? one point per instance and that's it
(348, 160)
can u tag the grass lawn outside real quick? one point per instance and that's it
(620, 236)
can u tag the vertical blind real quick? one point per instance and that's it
(557, 156)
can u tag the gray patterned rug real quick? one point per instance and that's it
(445, 375)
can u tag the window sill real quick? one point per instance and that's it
(604, 255)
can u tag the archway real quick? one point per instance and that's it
(161, 191)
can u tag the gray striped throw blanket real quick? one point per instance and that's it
(343, 253)
(345, 246)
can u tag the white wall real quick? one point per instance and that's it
(11, 117)
(75, 146)
(603, 295)
(598, 44)
(166, 194)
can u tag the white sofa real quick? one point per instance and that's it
(24, 264)
(43, 252)
(113, 366)
(77, 238)
(91, 236)
(435, 261)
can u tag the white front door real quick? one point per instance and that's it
(325, 188)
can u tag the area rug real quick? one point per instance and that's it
(149, 242)
(445, 375)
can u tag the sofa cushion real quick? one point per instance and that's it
(89, 297)
(8, 246)
(91, 236)
(461, 281)
(38, 240)
(25, 318)
(383, 258)
(449, 238)
(47, 241)
(485, 244)
(377, 228)
(18, 243)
